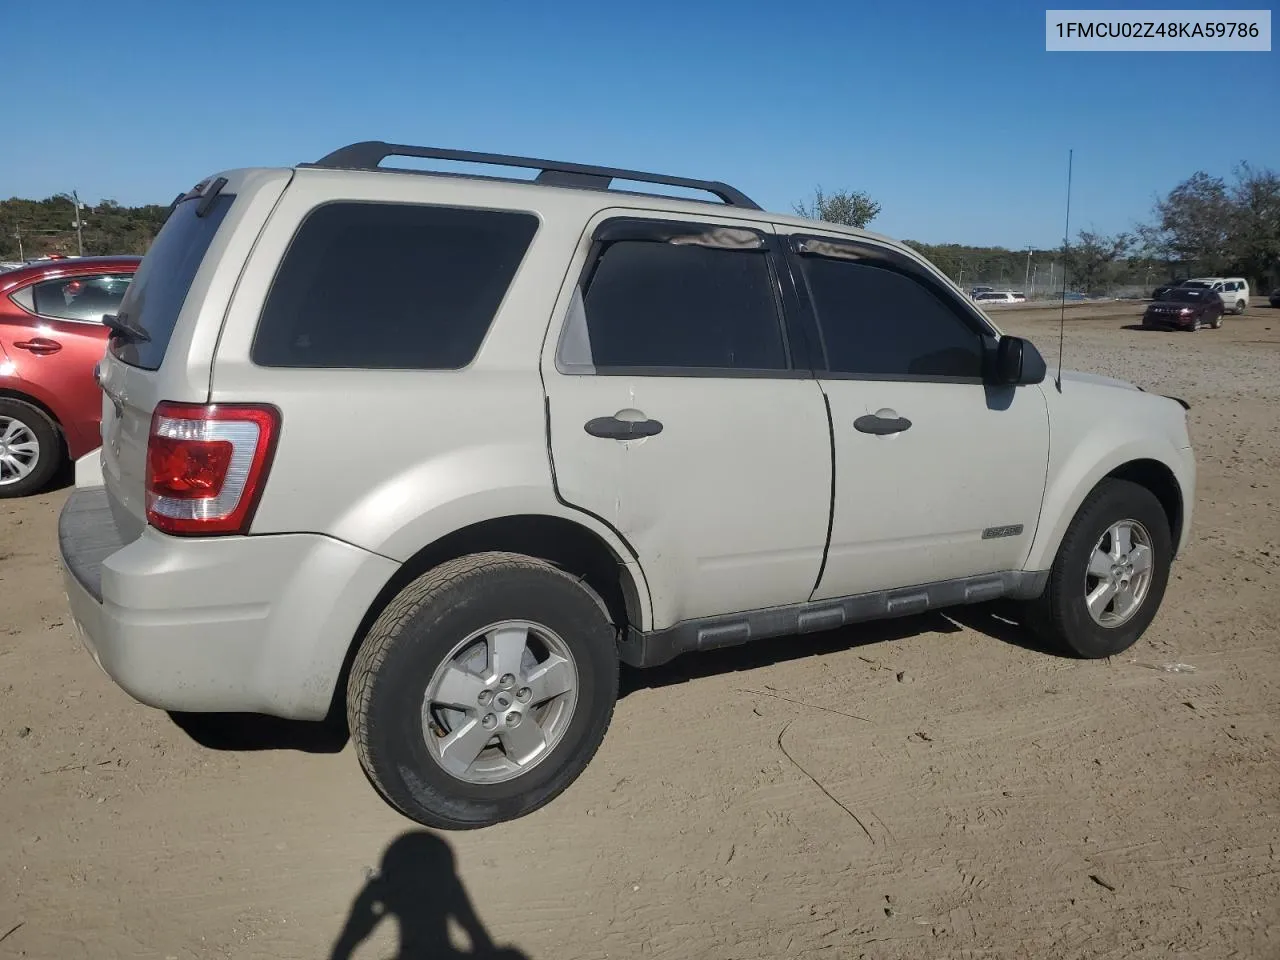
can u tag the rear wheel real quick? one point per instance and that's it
(1217, 321)
(30, 449)
(1110, 574)
(1241, 306)
(483, 690)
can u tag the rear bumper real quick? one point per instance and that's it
(237, 624)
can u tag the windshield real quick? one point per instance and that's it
(1194, 285)
(160, 287)
(1188, 295)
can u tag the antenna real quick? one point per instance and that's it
(1066, 234)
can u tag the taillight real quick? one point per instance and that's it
(207, 465)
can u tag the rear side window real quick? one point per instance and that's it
(877, 322)
(160, 286)
(79, 298)
(390, 286)
(664, 305)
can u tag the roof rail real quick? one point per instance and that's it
(369, 155)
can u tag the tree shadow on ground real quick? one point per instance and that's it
(417, 886)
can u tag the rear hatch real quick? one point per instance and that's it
(166, 331)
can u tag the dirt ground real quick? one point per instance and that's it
(919, 789)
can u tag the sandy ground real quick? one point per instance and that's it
(919, 789)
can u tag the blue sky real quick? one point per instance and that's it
(952, 115)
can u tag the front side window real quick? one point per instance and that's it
(390, 286)
(671, 305)
(880, 322)
(84, 299)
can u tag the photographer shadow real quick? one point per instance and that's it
(417, 885)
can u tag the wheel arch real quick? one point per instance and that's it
(1161, 481)
(59, 428)
(1141, 464)
(573, 547)
(8, 393)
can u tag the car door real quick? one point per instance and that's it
(59, 340)
(679, 413)
(938, 476)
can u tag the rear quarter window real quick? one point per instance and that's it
(160, 287)
(390, 286)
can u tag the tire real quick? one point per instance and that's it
(1061, 615)
(1217, 321)
(1241, 307)
(419, 633)
(26, 426)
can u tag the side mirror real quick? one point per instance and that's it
(1018, 362)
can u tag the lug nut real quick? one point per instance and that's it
(508, 681)
(489, 721)
(485, 697)
(513, 718)
(523, 694)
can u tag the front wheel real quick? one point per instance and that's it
(30, 449)
(482, 690)
(1110, 574)
(1241, 306)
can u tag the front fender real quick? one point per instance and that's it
(1085, 466)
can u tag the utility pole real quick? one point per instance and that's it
(17, 235)
(1026, 278)
(75, 198)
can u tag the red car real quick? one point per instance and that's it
(51, 337)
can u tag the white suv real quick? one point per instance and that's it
(1234, 291)
(443, 450)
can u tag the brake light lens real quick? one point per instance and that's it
(207, 465)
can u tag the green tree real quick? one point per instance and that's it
(1096, 261)
(1193, 223)
(851, 208)
(1255, 223)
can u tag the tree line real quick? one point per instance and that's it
(1205, 225)
(35, 228)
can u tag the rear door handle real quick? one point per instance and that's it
(39, 345)
(614, 428)
(882, 424)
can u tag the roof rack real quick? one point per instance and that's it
(369, 155)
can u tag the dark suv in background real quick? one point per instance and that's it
(1185, 308)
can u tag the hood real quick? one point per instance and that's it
(1075, 376)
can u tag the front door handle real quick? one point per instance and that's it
(882, 423)
(39, 345)
(616, 428)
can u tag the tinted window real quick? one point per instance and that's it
(160, 286)
(879, 322)
(389, 286)
(1188, 295)
(673, 305)
(78, 298)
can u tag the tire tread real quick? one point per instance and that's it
(386, 629)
